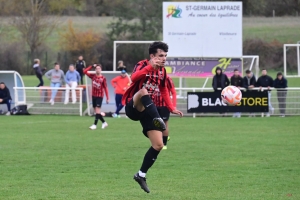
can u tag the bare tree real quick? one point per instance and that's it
(32, 22)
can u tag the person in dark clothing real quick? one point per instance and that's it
(80, 66)
(249, 80)
(5, 97)
(236, 80)
(121, 66)
(280, 83)
(266, 81)
(220, 80)
(38, 72)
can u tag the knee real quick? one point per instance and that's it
(158, 146)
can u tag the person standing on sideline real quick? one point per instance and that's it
(163, 110)
(280, 84)
(72, 80)
(38, 72)
(5, 97)
(266, 81)
(99, 87)
(121, 84)
(57, 78)
(121, 66)
(148, 76)
(80, 66)
(220, 80)
(249, 82)
(237, 81)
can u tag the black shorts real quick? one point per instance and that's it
(97, 102)
(144, 118)
(164, 113)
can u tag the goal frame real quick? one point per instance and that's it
(285, 59)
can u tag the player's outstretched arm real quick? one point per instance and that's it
(85, 71)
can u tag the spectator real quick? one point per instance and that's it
(220, 80)
(80, 66)
(57, 78)
(72, 80)
(38, 72)
(236, 80)
(266, 81)
(121, 84)
(249, 82)
(121, 66)
(5, 97)
(281, 84)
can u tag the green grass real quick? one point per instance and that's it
(57, 157)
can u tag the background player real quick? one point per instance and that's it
(162, 109)
(148, 76)
(99, 86)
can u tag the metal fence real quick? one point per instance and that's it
(292, 102)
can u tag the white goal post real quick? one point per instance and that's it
(285, 61)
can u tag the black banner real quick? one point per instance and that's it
(202, 102)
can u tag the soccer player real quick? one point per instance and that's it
(99, 86)
(148, 76)
(162, 109)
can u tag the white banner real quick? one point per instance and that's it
(203, 29)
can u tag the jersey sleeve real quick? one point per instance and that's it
(165, 92)
(171, 88)
(104, 85)
(86, 70)
(140, 71)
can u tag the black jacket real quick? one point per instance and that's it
(236, 81)
(280, 83)
(5, 94)
(265, 81)
(220, 81)
(80, 65)
(251, 82)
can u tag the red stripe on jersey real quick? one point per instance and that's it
(99, 85)
(145, 76)
(159, 101)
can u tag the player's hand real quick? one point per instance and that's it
(1, 100)
(107, 101)
(155, 62)
(177, 112)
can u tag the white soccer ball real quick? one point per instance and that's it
(231, 95)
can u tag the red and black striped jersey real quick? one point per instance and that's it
(145, 76)
(99, 85)
(159, 101)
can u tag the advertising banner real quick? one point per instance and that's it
(211, 102)
(202, 68)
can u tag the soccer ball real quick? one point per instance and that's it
(231, 95)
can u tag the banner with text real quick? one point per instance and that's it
(201, 68)
(211, 102)
(203, 29)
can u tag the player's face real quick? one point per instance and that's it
(218, 71)
(264, 72)
(98, 70)
(162, 55)
(279, 77)
(249, 75)
(236, 73)
(71, 68)
(80, 58)
(123, 75)
(56, 67)
(2, 86)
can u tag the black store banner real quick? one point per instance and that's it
(211, 102)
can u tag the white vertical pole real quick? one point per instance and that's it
(115, 57)
(87, 96)
(284, 60)
(298, 57)
(80, 101)
(194, 114)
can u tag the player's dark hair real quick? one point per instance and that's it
(235, 70)
(98, 65)
(158, 45)
(279, 74)
(56, 63)
(248, 71)
(2, 83)
(263, 69)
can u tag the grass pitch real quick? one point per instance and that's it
(57, 157)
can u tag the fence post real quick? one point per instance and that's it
(194, 114)
(80, 101)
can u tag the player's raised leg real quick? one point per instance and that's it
(149, 158)
(142, 101)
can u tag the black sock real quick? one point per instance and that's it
(149, 159)
(99, 116)
(96, 119)
(165, 140)
(149, 106)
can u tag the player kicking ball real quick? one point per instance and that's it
(162, 108)
(148, 76)
(99, 86)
